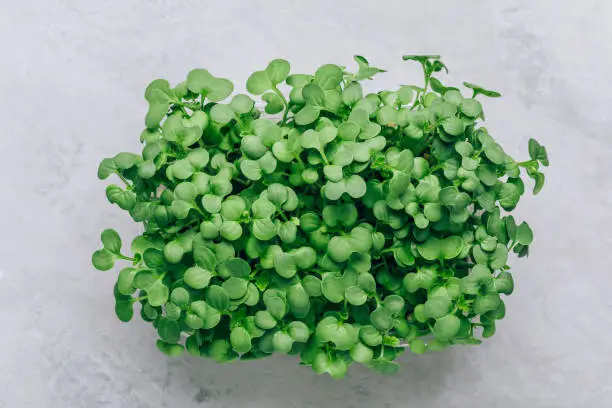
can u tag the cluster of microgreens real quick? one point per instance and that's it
(352, 229)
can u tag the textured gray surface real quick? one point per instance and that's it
(72, 77)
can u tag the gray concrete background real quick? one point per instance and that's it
(72, 74)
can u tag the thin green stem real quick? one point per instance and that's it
(126, 181)
(527, 163)
(324, 156)
(385, 262)
(286, 112)
(127, 258)
(426, 81)
(283, 215)
(195, 207)
(243, 182)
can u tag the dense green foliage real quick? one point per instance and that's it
(354, 228)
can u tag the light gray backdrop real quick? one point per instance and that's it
(72, 75)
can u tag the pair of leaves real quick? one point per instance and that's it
(439, 249)
(255, 169)
(202, 82)
(104, 259)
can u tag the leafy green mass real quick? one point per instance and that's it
(351, 228)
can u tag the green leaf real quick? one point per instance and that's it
(222, 114)
(446, 248)
(202, 82)
(333, 288)
(381, 318)
(106, 168)
(298, 80)
(453, 126)
(365, 70)
(437, 306)
(304, 257)
(446, 327)
(348, 131)
(478, 90)
(233, 208)
(307, 115)
(125, 161)
(284, 265)
(486, 303)
(352, 93)
(264, 320)
(394, 304)
(370, 336)
(240, 340)
(539, 182)
(236, 267)
(524, 234)
(509, 196)
(361, 353)
(282, 342)
(180, 296)
(312, 139)
(277, 71)
(298, 300)
(312, 285)
(275, 303)
(235, 287)
(259, 82)
(498, 259)
(242, 104)
(125, 281)
(543, 156)
(169, 330)
(103, 260)
(534, 149)
(340, 248)
(471, 108)
(144, 278)
(355, 295)
(250, 169)
(173, 312)
(198, 80)
(298, 331)
(355, 186)
(334, 190)
(197, 278)
(203, 255)
(274, 103)
(217, 297)
(174, 251)
(264, 229)
(328, 76)
(417, 346)
(170, 349)
(125, 199)
(504, 283)
(314, 95)
(157, 293)
(124, 309)
(495, 153)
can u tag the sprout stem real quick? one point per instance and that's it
(286, 112)
(127, 258)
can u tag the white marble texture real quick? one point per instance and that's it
(72, 74)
